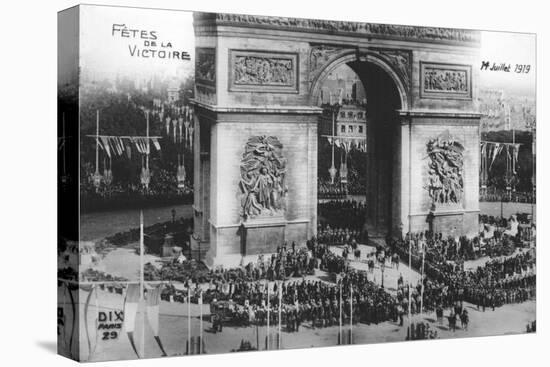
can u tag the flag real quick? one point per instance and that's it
(496, 152)
(130, 310)
(156, 143)
(153, 309)
(120, 146)
(167, 125)
(105, 145)
(516, 153)
(90, 290)
(152, 302)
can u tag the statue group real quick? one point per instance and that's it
(255, 70)
(445, 80)
(262, 183)
(445, 168)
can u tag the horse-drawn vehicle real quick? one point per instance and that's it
(228, 313)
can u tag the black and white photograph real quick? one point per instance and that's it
(274, 183)
(246, 183)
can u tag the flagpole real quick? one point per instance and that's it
(97, 142)
(188, 317)
(268, 309)
(410, 252)
(147, 134)
(280, 313)
(514, 158)
(340, 318)
(200, 323)
(141, 283)
(351, 314)
(422, 283)
(333, 142)
(64, 142)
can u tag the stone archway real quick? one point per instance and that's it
(397, 70)
(259, 76)
(386, 96)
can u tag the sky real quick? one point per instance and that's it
(104, 55)
(509, 48)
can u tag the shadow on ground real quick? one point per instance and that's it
(48, 345)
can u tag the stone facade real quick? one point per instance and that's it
(268, 77)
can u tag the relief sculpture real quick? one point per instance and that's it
(440, 80)
(445, 169)
(255, 70)
(319, 56)
(263, 170)
(205, 68)
(401, 61)
(373, 29)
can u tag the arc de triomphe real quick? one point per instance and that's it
(257, 86)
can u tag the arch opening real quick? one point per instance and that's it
(380, 162)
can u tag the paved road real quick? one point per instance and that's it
(101, 224)
(508, 319)
(94, 226)
(494, 208)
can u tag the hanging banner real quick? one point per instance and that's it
(516, 154)
(167, 125)
(153, 310)
(348, 143)
(180, 129)
(496, 152)
(130, 307)
(153, 307)
(156, 143)
(131, 304)
(105, 142)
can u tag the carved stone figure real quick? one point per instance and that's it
(442, 80)
(319, 56)
(255, 70)
(205, 94)
(401, 61)
(445, 183)
(262, 183)
(373, 29)
(205, 67)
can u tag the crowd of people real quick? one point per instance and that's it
(253, 292)
(343, 214)
(503, 195)
(498, 237)
(287, 262)
(163, 189)
(341, 236)
(328, 190)
(499, 281)
(313, 301)
(519, 226)
(337, 190)
(421, 331)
